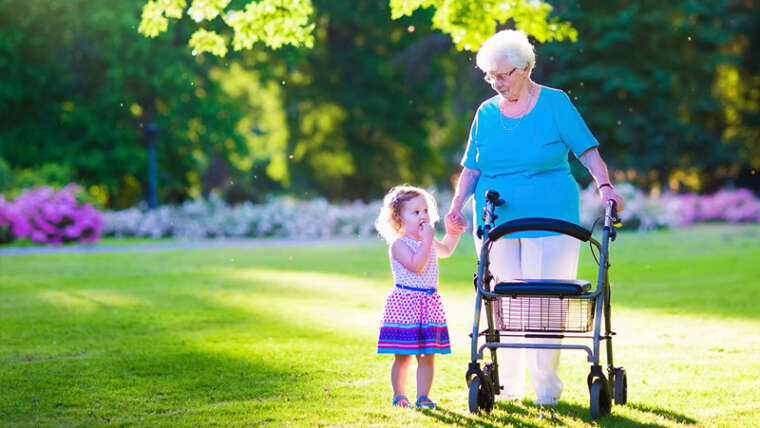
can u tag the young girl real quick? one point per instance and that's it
(413, 321)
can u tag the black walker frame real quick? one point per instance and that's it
(483, 383)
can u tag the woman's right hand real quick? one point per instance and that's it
(453, 227)
(456, 217)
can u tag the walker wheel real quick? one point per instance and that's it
(473, 397)
(488, 372)
(600, 404)
(620, 387)
(481, 395)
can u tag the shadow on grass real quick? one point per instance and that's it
(143, 363)
(478, 421)
(515, 414)
(667, 414)
(644, 269)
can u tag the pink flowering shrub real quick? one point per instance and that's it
(739, 205)
(646, 212)
(45, 215)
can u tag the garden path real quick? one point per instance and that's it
(171, 245)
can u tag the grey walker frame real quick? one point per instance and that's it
(484, 383)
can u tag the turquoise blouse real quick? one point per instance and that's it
(526, 159)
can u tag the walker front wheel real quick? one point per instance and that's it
(599, 402)
(473, 397)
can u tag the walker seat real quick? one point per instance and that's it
(542, 287)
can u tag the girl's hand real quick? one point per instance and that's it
(455, 217)
(453, 227)
(426, 231)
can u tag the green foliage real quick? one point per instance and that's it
(264, 126)
(273, 22)
(374, 102)
(79, 89)
(206, 9)
(471, 23)
(362, 101)
(57, 176)
(657, 82)
(6, 175)
(154, 15)
(289, 22)
(207, 41)
(49, 174)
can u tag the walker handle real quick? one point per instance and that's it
(537, 223)
(610, 215)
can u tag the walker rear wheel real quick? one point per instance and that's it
(481, 395)
(620, 386)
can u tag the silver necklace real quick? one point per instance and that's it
(523, 113)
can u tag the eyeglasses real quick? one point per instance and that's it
(492, 78)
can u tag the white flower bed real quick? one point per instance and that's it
(311, 219)
(280, 217)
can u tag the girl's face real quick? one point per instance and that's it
(414, 213)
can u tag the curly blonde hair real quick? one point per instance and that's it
(388, 222)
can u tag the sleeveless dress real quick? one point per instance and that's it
(414, 322)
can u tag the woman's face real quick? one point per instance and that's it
(505, 78)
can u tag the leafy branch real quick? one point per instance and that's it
(289, 22)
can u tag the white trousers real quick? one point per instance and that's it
(550, 257)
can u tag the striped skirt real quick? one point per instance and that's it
(414, 323)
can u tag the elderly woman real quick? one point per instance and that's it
(518, 146)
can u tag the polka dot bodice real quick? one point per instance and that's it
(429, 276)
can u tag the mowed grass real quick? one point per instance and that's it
(286, 336)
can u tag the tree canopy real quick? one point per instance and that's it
(289, 22)
(669, 90)
(80, 88)
(659, 83)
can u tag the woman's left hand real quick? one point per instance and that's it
(608, 194)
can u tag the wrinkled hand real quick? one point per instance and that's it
(455, 217)
(452, 226)
(608, 194)
(426, 231)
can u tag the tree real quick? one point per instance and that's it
(401, 69)
(273, 22)
(78, 89)
(374, 101)
(470, 23)
(288, 22)
(654, 81)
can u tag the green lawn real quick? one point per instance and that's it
(286, 336)
(103, 241)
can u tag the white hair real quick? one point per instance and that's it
(511, 46)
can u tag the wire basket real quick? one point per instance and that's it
(544, 314)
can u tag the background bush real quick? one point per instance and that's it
(316, 218)
(46, 215)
